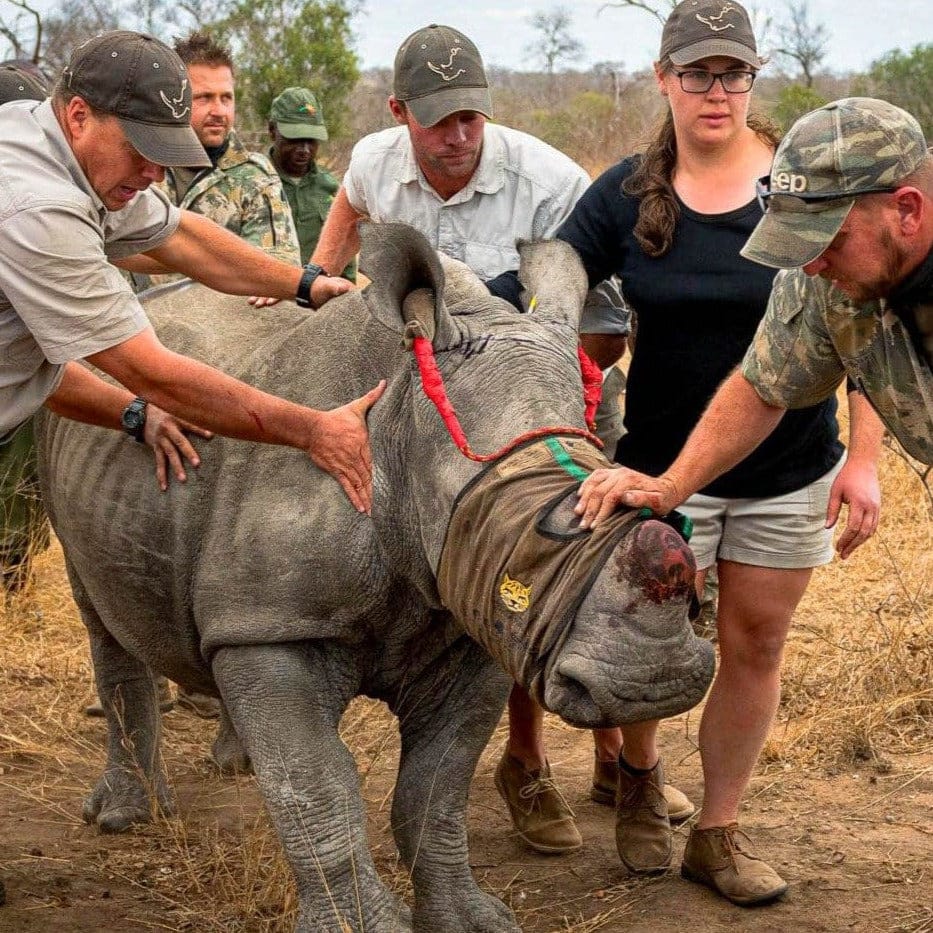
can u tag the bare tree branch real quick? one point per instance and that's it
(38, 17)
(659, 9)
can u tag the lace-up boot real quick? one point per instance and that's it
(540, 814)
(606, 781)
(723, 859)
(643, 831)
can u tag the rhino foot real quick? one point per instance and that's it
(398, 921)
(477, 912)
(121, 798)
(228, 752)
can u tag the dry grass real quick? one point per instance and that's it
(858, 686)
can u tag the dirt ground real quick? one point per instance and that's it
(841, 803)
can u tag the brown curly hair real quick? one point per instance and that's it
(652, 182)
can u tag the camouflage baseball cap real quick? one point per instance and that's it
(853, 146)
(297, 115)
(439, 71)
(144, 84)
(17, 84)
(699, 29)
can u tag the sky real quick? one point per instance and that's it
(860, 30)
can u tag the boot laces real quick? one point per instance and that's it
(539, 786)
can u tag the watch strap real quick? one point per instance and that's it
(303, 295)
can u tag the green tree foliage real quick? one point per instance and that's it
(793, 102)
(905, 79)
(286, 43)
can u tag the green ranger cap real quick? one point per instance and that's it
(439, 71)
(297, 115)
(17, 84)
(144, 84)
(853, 146)
(699, 29)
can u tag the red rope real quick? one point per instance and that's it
(433, 384)
(592, 387)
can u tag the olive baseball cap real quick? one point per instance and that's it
(144, 84)
(17, 84)
(439, 71)
(699, 29)
(853, 146)
(297, 115)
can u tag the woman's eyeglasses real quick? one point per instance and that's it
(696, 81)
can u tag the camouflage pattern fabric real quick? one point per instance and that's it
(244, 194)
(25, 528)
(310, 198)
(848, 145)
(812, 336)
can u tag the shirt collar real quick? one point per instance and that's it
(62, 153)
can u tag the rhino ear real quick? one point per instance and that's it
(551, 272)
(407, 290)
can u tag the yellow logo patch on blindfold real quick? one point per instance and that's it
(515, 595)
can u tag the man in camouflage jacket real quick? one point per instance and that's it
(242, 190)
(849, 220)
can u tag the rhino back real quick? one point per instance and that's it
(259, 544)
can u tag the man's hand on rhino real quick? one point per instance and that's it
(165, 434)
(340, 445)
(603, 491)
(324, 288)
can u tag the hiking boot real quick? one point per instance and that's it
(201, 704)
(643, 831)
(606, 780)
(540, 815)
(164, 691)
(722, 858)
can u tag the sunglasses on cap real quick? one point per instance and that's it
(809, 203)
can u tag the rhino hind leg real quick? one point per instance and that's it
(446, 719)
(133, 787)
(285, 701)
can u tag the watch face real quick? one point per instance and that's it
(132, 419)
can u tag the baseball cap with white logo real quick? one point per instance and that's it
(851, 147)
(144, 84)
(439, 71)
(698, 29)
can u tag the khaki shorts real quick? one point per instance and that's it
(786, 532)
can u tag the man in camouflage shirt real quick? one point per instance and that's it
(850, 221)
(242, 190)
(296, 125)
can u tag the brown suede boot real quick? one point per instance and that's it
(606, 781)
(722, 858)
(540, 815)
(201, 704)
(643, 831)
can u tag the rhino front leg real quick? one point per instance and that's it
(446, 719)
(133, 784)
(285, 701)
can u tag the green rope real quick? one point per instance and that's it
(681, 523)
(564, 460)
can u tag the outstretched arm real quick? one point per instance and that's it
(337, 441)
(857, 482)
(340, 240)
(735, 422)
(206, 252)
(85, 397)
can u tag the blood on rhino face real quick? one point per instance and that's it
(631, 654)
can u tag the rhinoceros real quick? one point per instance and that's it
(258, 581)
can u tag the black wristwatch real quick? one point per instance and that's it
(303, 295)
(133, 419)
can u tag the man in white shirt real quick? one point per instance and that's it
(474, 189)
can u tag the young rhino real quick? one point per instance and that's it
(257, 579)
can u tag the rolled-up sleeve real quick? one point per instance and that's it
(57, 277)
(792, 362)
